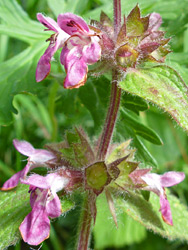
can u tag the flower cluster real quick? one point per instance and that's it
(73, 165)
(138, 41)
(80, 47)
(43, 190)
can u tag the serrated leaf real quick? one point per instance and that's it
(162, 86)
(14, 206)
(120, 151)
(72, 137)
(125, 168)
(105, 232)
(136, 25)
(147, 213)
(140, 129)
(77, 150)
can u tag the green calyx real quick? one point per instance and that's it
(97, 177)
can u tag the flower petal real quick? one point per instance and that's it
(153, 182)
(14, 180)
(76, 76)
(53, 181)
(36, 156)
(92, 52)
(136, 175)
(53, 207)
(41, 156)
(72, 24)
(76, 68)
(24, 147)
(37, 180)
(44, 66)
(36, 226)
(171, 178)
(155, 21)
(56, 182)
(48, 22)
(165, 210)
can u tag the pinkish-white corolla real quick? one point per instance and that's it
(157, 183)
(45, 203)
(36, 158)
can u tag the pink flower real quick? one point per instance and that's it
(45, 203)
(80, 48)
(37, 158)
(156, 183)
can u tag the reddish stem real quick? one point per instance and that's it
(86, 219)
(110, 118)
(117, 17)
(85, 226)
(115, 95)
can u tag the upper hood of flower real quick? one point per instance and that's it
(36, 156)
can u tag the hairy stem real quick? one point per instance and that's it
(89, 208)
(110, 118)
(85, 226)
(117, 17)
(115, 95)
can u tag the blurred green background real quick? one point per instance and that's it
(43, 112)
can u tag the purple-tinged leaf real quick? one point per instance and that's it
(136, 25)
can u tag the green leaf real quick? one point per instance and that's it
(16, 23)
(14, 206)
(134, 103)
(17, 75)
(140, 129)
(66, 204)
(180, 58)
(77, 149)
(163, 86)
(62, 6)
(136, 25)
(124, 132)
(120, 151)
(147, 213)
(143, 154)
(105, 232)
(174, 140)
(57, 6)
(95, 96)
